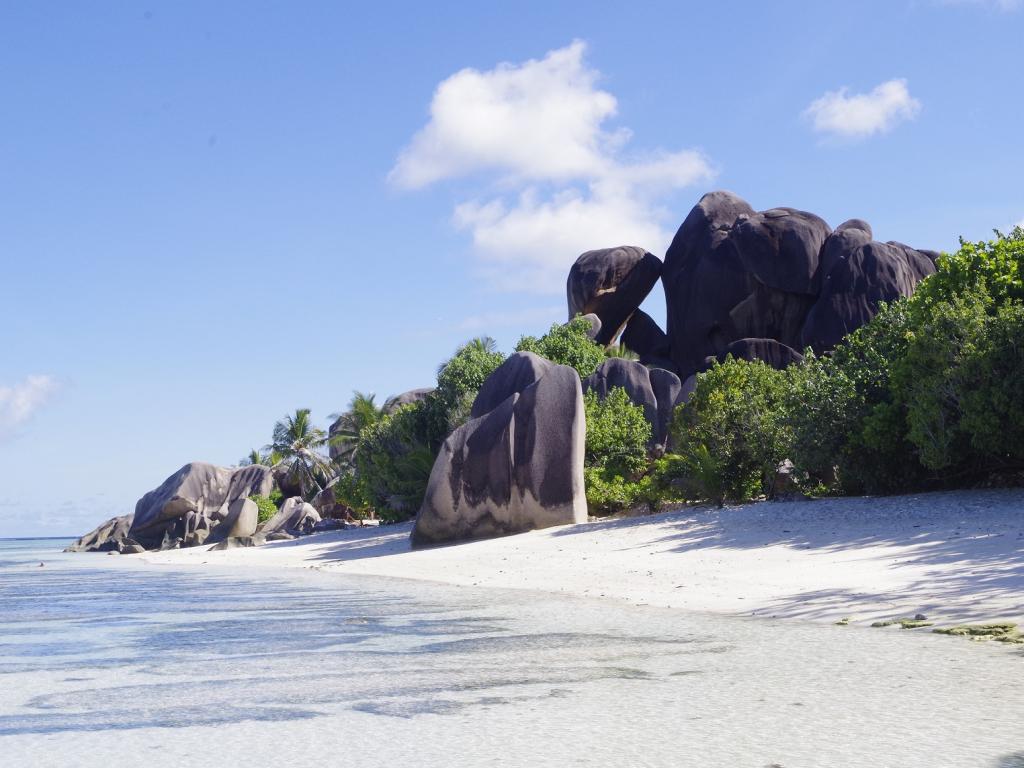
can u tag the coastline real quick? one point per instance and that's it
(955, 557)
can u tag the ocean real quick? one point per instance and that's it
(107, 661)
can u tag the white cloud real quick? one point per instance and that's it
(553, 180)
(18, 403)
(859, 115)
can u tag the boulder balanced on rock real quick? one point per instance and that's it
(611, 283)
(517, 464)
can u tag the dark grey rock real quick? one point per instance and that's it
(516, 467)
(704, 278)
(873, 273)
(595, 325)
(780, 248)
(611, 283)
(645, 337)
(295, 517)
(733, 274)
(194, 501)
(769, 351)
(106, 537)
(519, 371)
(392, 404)
(654, 390)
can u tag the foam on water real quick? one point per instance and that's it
(110, 662)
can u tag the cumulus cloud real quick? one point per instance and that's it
(553, 180)
(859, 115)
(18, 403)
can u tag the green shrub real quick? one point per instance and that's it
(731, 433)
(616, 452)
(394, 460)
(846, 427)
(567, 344)
(992, 389)
(267, 508)
(350, 490)
(617, 433)
(960, 354)
(459, 379)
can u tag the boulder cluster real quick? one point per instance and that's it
(204, 504)
(755, 285)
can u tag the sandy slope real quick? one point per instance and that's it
(955, 557)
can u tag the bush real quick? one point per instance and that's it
(991, 394)
(394, 460)
(846, 427)
(958, 356)
(351, 491)
(616, 452)
(459, 379)
(731, 434)
(567, 344)
(267, 508)
(617, 433)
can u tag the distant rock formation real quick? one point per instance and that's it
(611, 283)
(517, 464)
(767, 284)
(199, 503)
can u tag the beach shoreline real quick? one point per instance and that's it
(953, 557)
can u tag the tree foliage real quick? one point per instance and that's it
(568, 344)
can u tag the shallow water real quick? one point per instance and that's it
(109, 662)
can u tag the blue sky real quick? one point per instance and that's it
(215, 213)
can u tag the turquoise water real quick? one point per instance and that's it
(107, 661)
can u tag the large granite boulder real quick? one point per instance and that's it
(294, 517)
(858, 282)
(392, 404)
(110, 536)
(611, 283)
(199, 503)
(748, 283)
(654, 390)
(194, 501)
(517, 464)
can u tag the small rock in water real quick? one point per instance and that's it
(42, 565)
(920, 617)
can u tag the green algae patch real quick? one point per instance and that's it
(1000, 632)
(997, 629)
(915, 623)
(904, 623)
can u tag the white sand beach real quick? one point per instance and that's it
(954, 557)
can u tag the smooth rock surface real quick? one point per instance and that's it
(294, 516)
(516, 467)
(611, 283)
(654, 390)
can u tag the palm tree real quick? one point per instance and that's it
(298, 442)
(362, 412)
(483, 345)
(266, 458)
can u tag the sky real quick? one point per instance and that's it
(214, 213)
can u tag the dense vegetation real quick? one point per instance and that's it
(929, 394)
